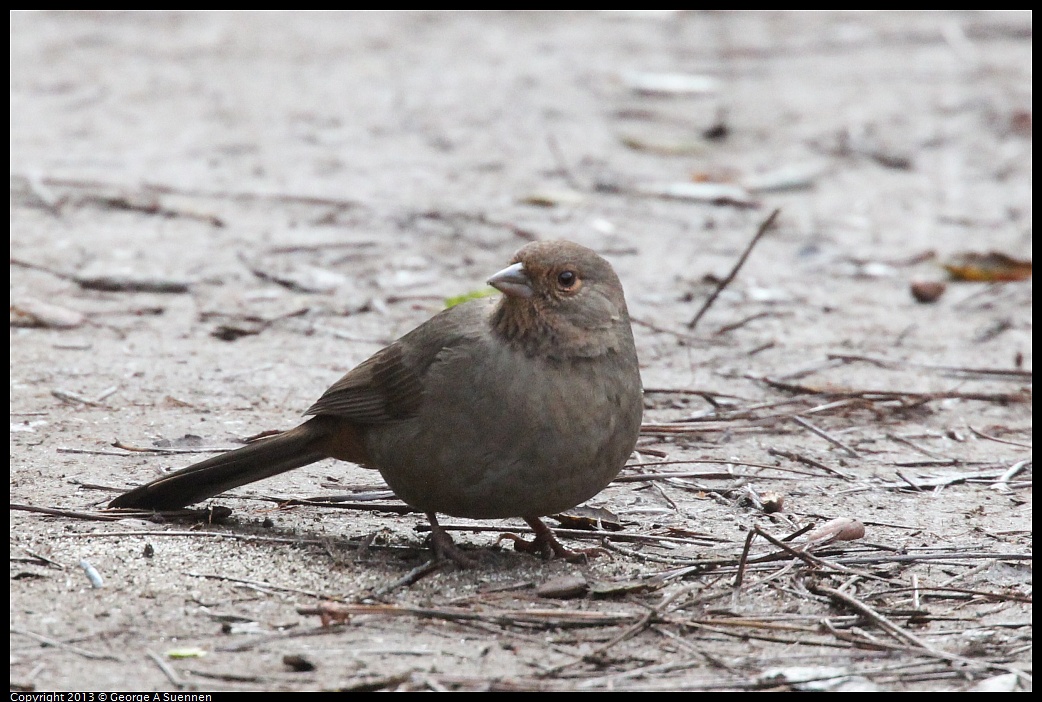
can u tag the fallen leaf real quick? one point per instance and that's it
(187, 652)
(589, 518)
(713, 193)
(472, 295)
(30, 312)
(797, 176)
(553, 197)
(564, 587)
(839, 529)
(988, 268)
(651, 83)
(130, 281)
(664, 145)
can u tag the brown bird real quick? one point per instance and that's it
(522, 407)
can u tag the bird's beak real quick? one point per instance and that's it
(513, 281)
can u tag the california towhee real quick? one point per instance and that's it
(523, 407)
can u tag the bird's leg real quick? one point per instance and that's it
(443, 546)
(546, 544)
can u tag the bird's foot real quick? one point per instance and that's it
(443, 546)
(547, 545)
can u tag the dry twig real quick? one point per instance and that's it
(764, 226)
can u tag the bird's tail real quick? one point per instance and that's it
(256, 461)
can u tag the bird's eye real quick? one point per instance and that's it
(567, 279)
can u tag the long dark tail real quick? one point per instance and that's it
(261, 459)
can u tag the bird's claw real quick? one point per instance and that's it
(546, 544)
(444, 548)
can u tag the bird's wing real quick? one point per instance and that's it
(384, 388)
(390, 385)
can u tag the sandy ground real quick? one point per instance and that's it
(306, 187)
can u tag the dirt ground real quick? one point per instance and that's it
(215, 215)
